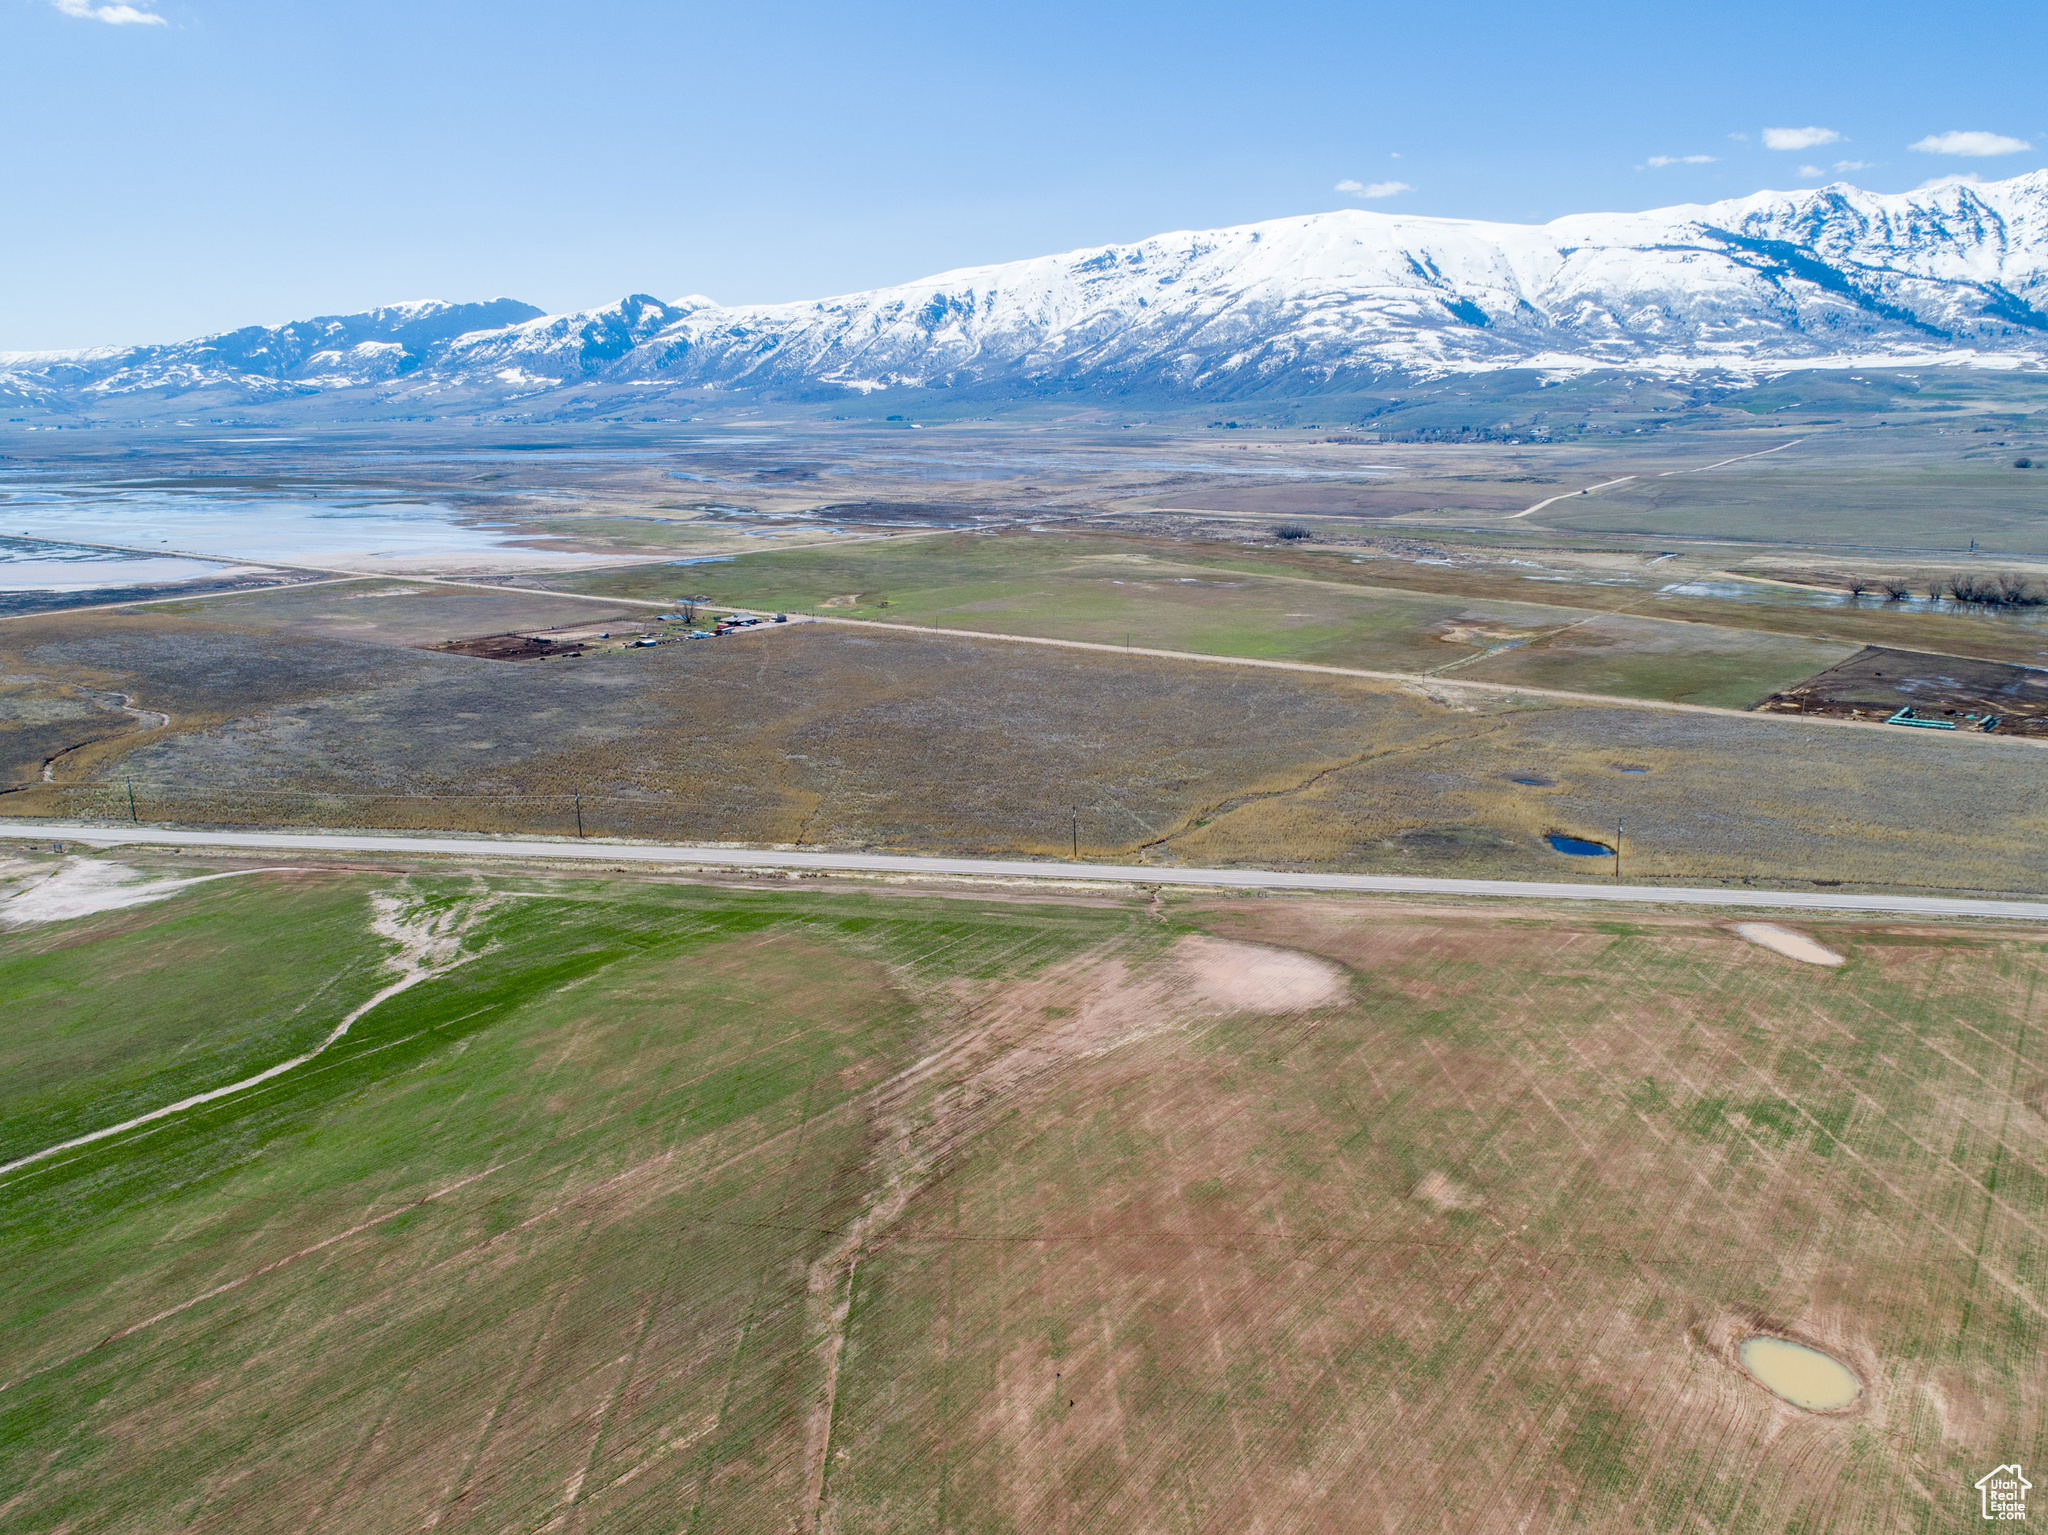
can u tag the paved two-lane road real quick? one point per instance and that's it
(684, 855)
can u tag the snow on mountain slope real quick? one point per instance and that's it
(1291, 304)
(332, 352)
(1764, 279)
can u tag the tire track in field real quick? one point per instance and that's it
(1357, 1263)
(1937, 1158)
(707, 1459)
(433, 1267)
(1237, 802)
(631, 1367)
(572, 1276)
(1903, 1026)
(235, 1284)
(1998, 1159)
(1648, 1282)
(2006, 1282)
(429, 947)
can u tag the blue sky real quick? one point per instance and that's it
(179, 166)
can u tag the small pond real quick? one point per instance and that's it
(1578, 847)
(1803, 1376)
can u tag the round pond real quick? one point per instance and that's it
(1578, 847)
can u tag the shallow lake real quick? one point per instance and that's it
(67, 568)
(271, 529)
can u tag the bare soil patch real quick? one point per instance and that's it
(1783, 940)
(1878, 681)
(1242, 976)
(512, 647)
(84, 887)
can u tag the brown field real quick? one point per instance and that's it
(727, 1209)
(831, 737)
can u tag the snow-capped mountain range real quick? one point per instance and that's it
(1777, 279)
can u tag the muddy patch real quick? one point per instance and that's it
(1803, 1376)
(1783, 940)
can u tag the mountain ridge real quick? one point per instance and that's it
(1954, 272)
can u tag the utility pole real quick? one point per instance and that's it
(131, 803)
(1617, 847)
(579, 814)
(1077, 830)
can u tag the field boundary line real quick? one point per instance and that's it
(1421, 679)
(698, 856)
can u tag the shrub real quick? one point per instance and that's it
(1291, 532)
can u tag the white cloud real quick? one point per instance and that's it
(1799, 138)
(1852, 165)
(1375, 189)
(1740, 138)
(113, 15)
(1811, 170)
(1953, 179)
(1663, 160)
(1970, 144)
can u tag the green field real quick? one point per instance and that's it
(1327, 610)
(178, 1003)
(1630, 657)
(679, 1206)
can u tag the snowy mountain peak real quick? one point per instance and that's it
(1312, 302)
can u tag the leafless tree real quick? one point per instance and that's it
(1999, 589)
